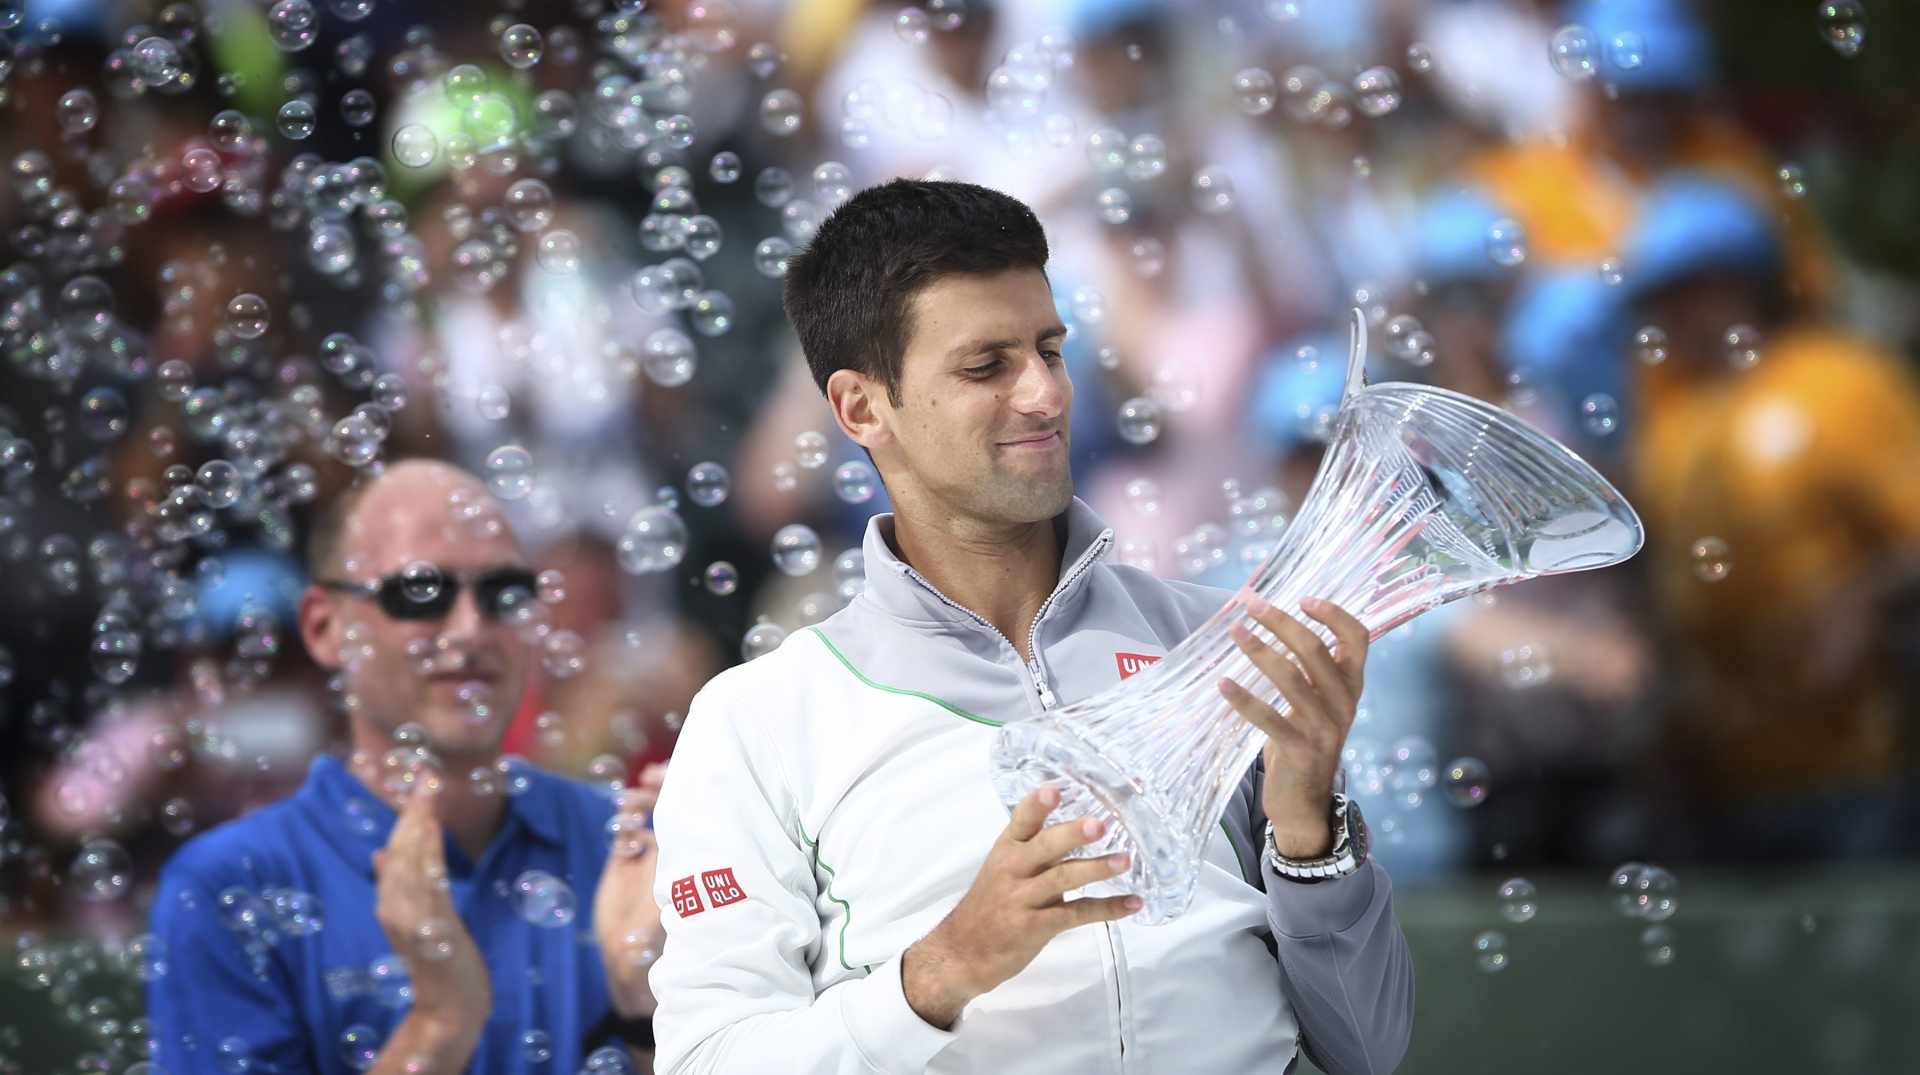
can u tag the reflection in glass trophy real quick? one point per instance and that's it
(1424, 496)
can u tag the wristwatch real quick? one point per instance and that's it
(1350, 844)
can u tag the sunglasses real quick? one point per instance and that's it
(504, 593)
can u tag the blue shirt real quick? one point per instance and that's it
(276, 963)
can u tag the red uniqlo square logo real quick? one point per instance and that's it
(722, 889)
(1133, 663)
(686, 897)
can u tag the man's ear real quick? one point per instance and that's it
(320, 628)
(861, 407)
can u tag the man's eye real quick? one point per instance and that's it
(1050, 354)
(986, 370)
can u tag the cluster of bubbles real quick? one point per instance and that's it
(1647, 893)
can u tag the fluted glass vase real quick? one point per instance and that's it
(1424, 496)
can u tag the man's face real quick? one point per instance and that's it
(981, 427)
(461, 675)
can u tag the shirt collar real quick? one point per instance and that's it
(358, 822)
(896, 589)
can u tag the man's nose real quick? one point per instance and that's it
(464, 620)
(1037, 391)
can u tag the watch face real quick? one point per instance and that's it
(1357, 831)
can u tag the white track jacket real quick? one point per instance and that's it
(830, 802)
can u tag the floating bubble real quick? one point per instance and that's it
(855, 482)
(103, 414)
(1793, 181)
(1741, 346)
(1420, 57)
(493, 402)
(946, 15)
(77, 111)
(711, 314)
(296, 119)
(101, 871)
(1627, 50)
(912, 26)
(1147, 257)
(1490, 951)
(1525, 666)
(721, 578)
(1506, 242)
(770, 256)
(1467, 782)
(1712, 559)
(1518, 900)
(86, 306)
(785, 476)
(655, 540)
(725, 167)
(1600, 413)
(558, 252)
(359, 1046)
(421, 581)
(810, 449)
(1254, 91)
(1174, 387)
(529, 204)
(292, 24)
(1650, 345)
(1114, 205)
(1656, 946)
(773, 186)
(668, 357)
(510, 472)
(415, 146)
(543, 899)
(521, 45)
(850, 574)
(564, 654)
(1575, 52)
(796, 549)
(1612, 271)
(1146, 158)
(1139, 420)
(1377, 91)
(1842, 24)
(247, 316)
(833, 183)
(781, 112)
(200, 170)
(176, 816)
(1212, 189)
(708, 484)
(357, 108)
(464, 84)
(233, 1055)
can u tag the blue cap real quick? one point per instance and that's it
(1450, 238)
(1677, 52)
(1287, 396)
(1693, 223)
(253, 575)
(1567, 330)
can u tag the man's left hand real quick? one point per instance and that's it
(1304, 744)
(626, 921)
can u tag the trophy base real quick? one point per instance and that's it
(1030, 754)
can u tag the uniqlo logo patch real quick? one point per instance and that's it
(1133, 663)
(721, 888)
(686, 897)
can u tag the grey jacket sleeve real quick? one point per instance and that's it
(1344, 963)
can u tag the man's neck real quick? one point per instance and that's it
(1003, 573)
(470, 819)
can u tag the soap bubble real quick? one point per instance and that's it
(854, 482)
(77, 111)
(655, 540)
(912, 26)
(1627, 50)
(1600, 413)
(233, 1055)
(1518, 900)
(543, 899)
(1467, 782)
(357, 107)
(1139, 420)
(296, 119)
(1420, 57)
(521, 45)
(1793, 180)
(103, 414)
(1377, 91)
(761, 639)
(359, 1046)
(1712, 559)
(1842, 24)
(1114, 205)
(1525, 666)
(1213, 190)
(810, 450)
(421, 581)
(559, 252)
(780, 112)
(770, 257)
(1575, 52)
(86, 306)
(1741, 346)
(1146, 158)
(796, 549)
(711, 314)
(946, 14)
(415, 146)
(1506, 242)
(1656, 946)
(101, 871)
(529, 204)
(1612, 271)
(724, 167)
(1253, 91)
(564, 654)
(537, 1046)
(1490, 951)
(668, 357)
(721, 578)
(773, 186)
(200, 170)
(708, 484)
(1650, 345)
(247, 316)
(1147, 257)
(493, 402)
(510, 472)
(833, 183)
(292, 24)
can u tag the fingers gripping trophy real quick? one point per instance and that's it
(1424, 496)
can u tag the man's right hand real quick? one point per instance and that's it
(1016, 905)
(452, 997)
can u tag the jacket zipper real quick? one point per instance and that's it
(1035, 673)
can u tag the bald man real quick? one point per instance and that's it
(415, 909)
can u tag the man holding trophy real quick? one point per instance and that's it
(847, 891)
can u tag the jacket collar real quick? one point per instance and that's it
(899, 591)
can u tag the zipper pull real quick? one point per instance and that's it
(1046, 693)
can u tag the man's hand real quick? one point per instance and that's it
(1016, 905)
(1303, 746)
(452, 997)
(626, 921)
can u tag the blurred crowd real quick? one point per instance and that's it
(555, 261)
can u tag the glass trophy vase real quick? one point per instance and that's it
(1424, 496)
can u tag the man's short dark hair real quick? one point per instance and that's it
(850, 293)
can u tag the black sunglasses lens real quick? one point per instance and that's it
(508, 594)
(413, 596)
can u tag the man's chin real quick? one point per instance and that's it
(1033, 498)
